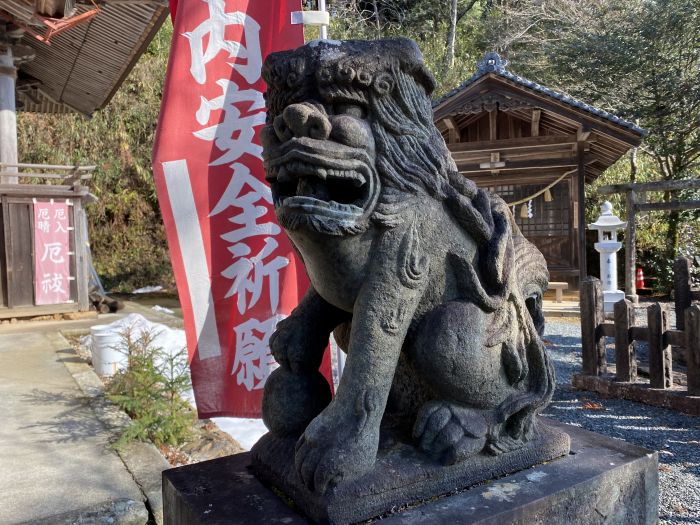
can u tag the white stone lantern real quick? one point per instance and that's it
(608, 246)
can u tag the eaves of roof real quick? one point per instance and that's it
(493, 63)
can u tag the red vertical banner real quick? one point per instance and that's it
(236, 272)
(51, 253)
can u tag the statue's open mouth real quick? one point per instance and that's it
(307, 181)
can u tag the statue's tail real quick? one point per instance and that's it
(530, 269)
(529, 280)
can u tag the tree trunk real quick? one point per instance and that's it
(451, 36)
(376, 18)
(673, 222)
(633, 165)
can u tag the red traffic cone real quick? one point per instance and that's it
(639, 280)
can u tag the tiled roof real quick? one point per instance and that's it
(493, 63)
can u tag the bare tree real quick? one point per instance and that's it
(451, 34)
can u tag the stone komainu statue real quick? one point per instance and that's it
(425, 280)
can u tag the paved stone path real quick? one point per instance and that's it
(57, 466)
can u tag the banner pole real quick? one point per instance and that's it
(324, 28)
(319, 18)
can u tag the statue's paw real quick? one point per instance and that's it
(504, 444)
(450, 433)
(298, 346)
(327, 455)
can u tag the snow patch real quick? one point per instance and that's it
(162, 309)
(245, 431)
(148, 289)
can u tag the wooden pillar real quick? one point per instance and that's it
(81, 246)
(452, 130)
(692, 348)
(581, 174)
(535, 123)
(8, 114)
(625, 359)
(592, 317)
(631, 247)
(681, 289)
(660, 361)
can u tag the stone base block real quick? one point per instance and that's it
(402, 475)
(602, 481)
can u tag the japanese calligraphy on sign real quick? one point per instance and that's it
(51, 253)
(236, 271)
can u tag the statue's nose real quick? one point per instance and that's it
(303, 120)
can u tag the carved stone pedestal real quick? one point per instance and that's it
(601, 481)
(401, 476)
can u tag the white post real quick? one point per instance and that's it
(324, 28)
(8, 115)
(319, 18)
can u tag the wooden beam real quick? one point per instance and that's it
(513, 177)
(581, 175)
(43, 190)
(582, 135)
(541, 154)
(8, 115)
(661, 185)
(510, 144)
(34, 311)
(535, 124)
(671, 205)
(452, 130)
(569, 162)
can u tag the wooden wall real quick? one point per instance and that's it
(17, 250)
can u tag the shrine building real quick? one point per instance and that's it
(536, 148)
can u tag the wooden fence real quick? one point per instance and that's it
(625, 383)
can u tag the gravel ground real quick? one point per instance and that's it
(674, 435)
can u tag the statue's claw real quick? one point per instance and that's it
(327, 453)
(450, 433)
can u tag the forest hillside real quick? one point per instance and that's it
(637, 59)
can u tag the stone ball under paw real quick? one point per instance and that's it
(292, 400)
(450, 351)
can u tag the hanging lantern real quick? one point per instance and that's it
(548, 196)
(524, 212)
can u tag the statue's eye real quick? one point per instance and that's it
(353, 110)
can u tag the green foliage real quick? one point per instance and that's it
(425, 21)
(635, 58)
(151, 391)
(126, 232)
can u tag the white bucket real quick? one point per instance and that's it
(107, 354)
